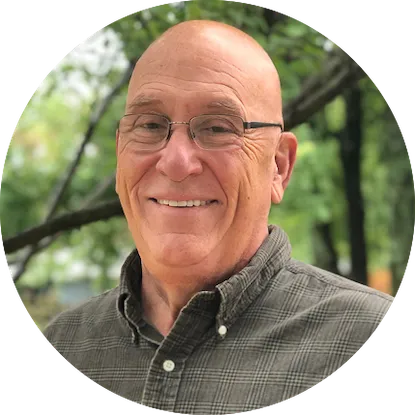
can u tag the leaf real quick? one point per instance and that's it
(296, 29)
(336, 114)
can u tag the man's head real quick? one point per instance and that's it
(196, 68)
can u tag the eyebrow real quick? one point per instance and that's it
(142, 100)
(228, 105)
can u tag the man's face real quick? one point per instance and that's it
(231, 187)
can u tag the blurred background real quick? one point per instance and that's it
(349, 207)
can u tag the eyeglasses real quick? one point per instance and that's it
(150, 132)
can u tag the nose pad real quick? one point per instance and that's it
(189, 132)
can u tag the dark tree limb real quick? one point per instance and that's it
(93, 122)
(350, 155)
(63, 184)
(272, 18)
(95, 196)
(325, 252)
(63, 223)
(100, 190)
(341, 73)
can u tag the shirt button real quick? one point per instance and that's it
(222, 330)
(168, 365)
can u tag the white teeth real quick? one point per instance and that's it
(182, 203)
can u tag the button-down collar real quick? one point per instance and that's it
(230, 298)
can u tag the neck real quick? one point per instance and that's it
(163, 301)
(165, 291)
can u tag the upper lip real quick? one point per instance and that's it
(181, 198)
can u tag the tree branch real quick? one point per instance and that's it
(100, 190)
(93, 122)
(340, 73)
(62, 223)
(22, 263)
(67, 177)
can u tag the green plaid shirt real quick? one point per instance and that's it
(266, 334)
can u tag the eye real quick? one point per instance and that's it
(220, 129)
(150, 126)
(217, 126)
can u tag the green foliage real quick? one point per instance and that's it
(335, 113)
(53, 124)
(42, 308)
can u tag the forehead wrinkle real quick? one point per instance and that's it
(226, 104)
(180, 77)
(222, 73)
(174, 68)
(222, 68)
(144, 99)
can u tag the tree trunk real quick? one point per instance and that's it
(350, 153)
(272, 17)
(402, 228)
(324, 251)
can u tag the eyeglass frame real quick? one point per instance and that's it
(247, 125)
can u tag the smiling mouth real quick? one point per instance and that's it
(183, 203)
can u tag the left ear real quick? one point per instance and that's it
(285, 156)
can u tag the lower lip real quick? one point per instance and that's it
(183, 209)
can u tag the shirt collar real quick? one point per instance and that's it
(128, 302)
(241, 289)
(235, 294)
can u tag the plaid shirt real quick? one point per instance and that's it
(266, 334)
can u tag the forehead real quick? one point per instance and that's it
(185, 71)
(206, 68)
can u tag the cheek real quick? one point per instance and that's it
(131, 168)
(229, 173)
(259, 151)
(130, 177)
(256, 162)
(256, 170)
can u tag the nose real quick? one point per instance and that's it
(179, 159)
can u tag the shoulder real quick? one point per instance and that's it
(318, 318)
(86, 320)
(316, 295)
(332, 285)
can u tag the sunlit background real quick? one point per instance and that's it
(349, 207)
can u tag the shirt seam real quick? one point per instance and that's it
(290, 268)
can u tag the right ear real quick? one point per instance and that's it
(285, 156)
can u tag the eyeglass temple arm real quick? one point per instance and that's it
(254, 124)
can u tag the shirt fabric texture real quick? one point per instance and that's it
(267, 333)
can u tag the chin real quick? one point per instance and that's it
(179, 250)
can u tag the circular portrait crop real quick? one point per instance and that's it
(207, 208)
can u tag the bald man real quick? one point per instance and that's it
(212, 315)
